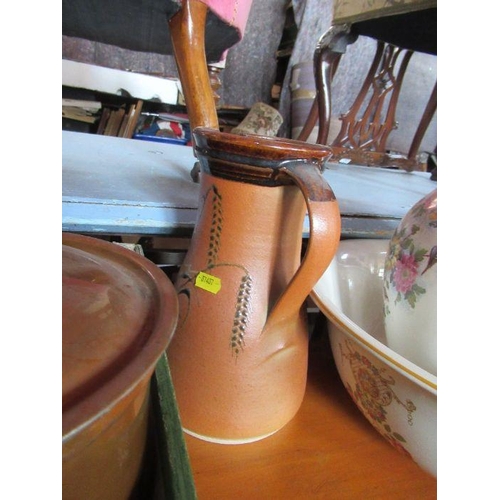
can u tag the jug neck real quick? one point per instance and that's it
(254, 159)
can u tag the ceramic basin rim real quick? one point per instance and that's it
(377, 348)
(83, 413)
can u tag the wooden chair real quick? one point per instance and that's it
(195, 31)
(400, 28)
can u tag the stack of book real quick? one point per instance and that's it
(81, 110)
(120, 122)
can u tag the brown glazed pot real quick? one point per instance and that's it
(119, 312)
(239, 357)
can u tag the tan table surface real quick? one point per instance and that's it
(328, 451)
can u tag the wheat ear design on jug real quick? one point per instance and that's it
(237, 341)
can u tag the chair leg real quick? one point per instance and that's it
(429, 111)
(187, 29)
(325, 68)
(331, 46)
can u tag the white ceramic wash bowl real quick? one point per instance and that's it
(398, 397)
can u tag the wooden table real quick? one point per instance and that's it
(327, 451)
(112, 185)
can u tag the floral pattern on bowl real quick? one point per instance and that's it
(397, 397)
(373, 392)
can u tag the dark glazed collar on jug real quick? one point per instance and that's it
(253, 158)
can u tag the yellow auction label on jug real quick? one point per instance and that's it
(208, 282)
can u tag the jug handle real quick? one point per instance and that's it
(324, 236)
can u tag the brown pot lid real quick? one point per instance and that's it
(119, 312)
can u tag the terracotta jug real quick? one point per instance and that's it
(239, 355)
